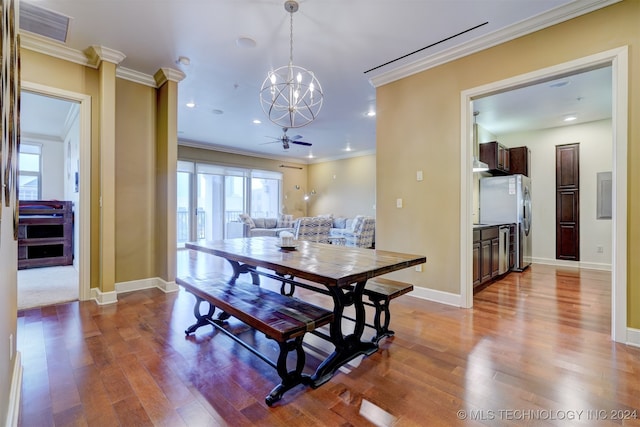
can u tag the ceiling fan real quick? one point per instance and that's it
(286, 140)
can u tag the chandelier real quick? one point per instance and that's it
(291, 96)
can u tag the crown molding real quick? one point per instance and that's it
(97, 54)
(544, 20)
(164, 75)
(226, 149)
(53, 48)
(136, 76)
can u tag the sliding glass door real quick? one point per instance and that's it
(211, 196)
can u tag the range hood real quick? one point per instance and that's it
(478, 166)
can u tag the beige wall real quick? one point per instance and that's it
(291, 177)
(53, 72)
(344, 188)
(423, 111)
(135, 181)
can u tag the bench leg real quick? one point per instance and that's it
(284, 283)
(290, 379)
(202, 319)
(382, 327)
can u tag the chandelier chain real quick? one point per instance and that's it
(291, 38)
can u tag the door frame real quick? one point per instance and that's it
(84, 196)
(618, 60)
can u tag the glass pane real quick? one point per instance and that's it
(265, 198)
(184, 207)
(28, 187)
(29, 162)
(234, 201)
(210, 223)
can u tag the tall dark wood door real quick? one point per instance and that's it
(568, 202)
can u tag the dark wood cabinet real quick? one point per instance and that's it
(45, 230)
(496, 156)
(568, 202)
(476, 264)
(519, 160)
(486, 255)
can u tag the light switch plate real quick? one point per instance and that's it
(419, 176)
(398, 203)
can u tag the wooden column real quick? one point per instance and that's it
(166, 171)
(106, 60)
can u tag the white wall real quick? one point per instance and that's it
(71, 147)
(596, 144)
(52, 170)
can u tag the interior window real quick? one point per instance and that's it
(30, 171)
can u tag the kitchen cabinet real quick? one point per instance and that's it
(520, 160)
(496, 156)
(486, 250)
(476, 262)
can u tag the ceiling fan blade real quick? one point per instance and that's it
(296, 137)
(308, 144)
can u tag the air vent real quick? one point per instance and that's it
(43, 22)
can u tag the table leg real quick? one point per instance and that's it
(347, 347)
(239, 269)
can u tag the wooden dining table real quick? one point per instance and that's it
(342, 270)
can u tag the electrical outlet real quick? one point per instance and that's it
(398, 203)
(599, 249)
(419, 267)
(419, 176)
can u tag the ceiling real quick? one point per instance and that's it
(340, 41)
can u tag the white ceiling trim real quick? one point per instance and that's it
(544, 20)
(226, 149)
(55, 49)
(49, 47)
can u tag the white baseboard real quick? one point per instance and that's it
(103, 298)
(633, 337)
(13, 410)
(574, 264)
(437, 296)
(138, 285)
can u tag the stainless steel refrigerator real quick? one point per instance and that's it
(507, 200)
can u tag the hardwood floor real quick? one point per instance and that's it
(534, 350)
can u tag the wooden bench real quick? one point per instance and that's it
(279, 317)
(380, 292)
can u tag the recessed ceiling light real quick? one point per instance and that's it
(256, 121)
(245, 42)
(190, 104)
(183, 60)
(570, 118)
(310, 156)
(348, 149)
(371, 114)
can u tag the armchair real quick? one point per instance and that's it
(313, 229)
(361, 234)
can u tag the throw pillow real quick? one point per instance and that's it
(246, 219)
(285, 221)
(340, 222)
(356, 222)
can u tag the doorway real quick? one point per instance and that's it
(618, 60)
(70, 151)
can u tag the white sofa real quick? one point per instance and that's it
(255, 227)
(358, 231)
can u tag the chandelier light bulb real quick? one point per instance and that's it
(291, 96)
